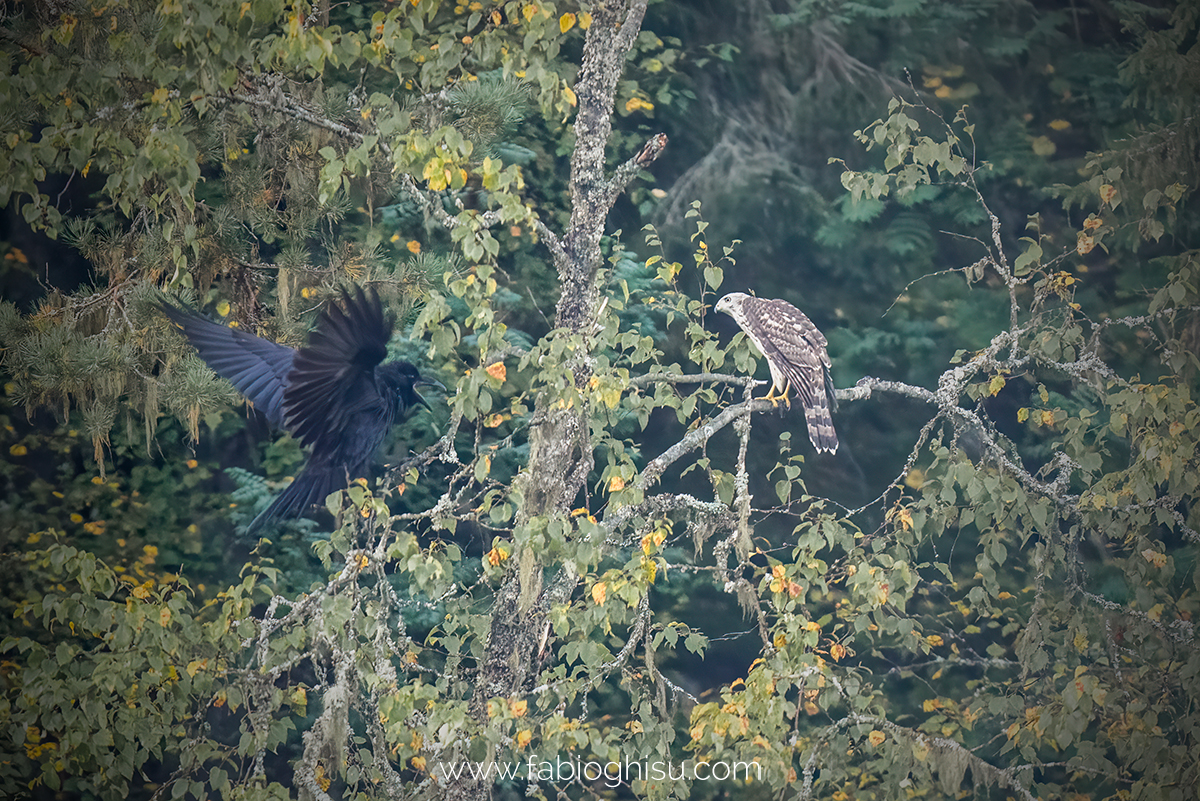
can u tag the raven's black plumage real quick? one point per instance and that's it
(333, 394)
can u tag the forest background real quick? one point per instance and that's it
(599, 546)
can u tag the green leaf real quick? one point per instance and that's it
(713, 276)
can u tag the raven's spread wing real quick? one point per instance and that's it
(257, 367)
(332, 383)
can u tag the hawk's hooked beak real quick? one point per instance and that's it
(426, 382)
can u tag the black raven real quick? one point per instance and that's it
(333, 394)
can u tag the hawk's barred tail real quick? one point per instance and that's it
(820, 425)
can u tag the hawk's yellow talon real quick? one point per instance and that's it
(785, 396)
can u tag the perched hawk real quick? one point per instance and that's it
(795, 352)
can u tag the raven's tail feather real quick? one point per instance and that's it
(309, 489)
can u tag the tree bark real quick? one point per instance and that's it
(560, 454)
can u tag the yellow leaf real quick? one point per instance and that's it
(18, 450)
(1047, 417)
(837, 651)
(497, 371)
(585, 20)
(876, 737)
(519, 708)
(528, 11)
(223, 308)
(524, 738)
(947, 71)
(418, 763)
(1084, 243)
(160, 95)
(1107, 193)
(599, 592)
(616, 484)
(323, 781)
(1022, 414)
(1154, 557)
(1059, 125)
(164, 617)
(569, 94)
(935, 640)
(880, 595)
(566, 22)
(996, 384)
(1042, 146)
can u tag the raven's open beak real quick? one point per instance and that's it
(426, 382)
